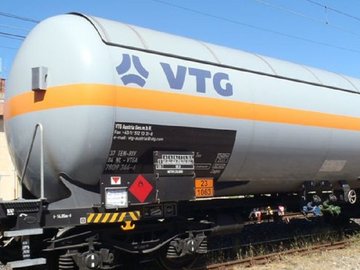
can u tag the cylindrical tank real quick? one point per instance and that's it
(113, 93)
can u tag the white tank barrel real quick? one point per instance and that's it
(109, 94)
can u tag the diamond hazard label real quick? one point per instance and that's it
(141, 188)
(115, 180)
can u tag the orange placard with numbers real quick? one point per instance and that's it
(204, 187)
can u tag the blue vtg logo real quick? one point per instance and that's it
(125, 66)
(175, 76)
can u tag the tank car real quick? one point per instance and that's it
(131, 118)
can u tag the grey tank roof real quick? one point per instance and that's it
(113, 33)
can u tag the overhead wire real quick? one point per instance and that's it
(256, 27)
(300, 14)
(334, 10)
(14, 27)
(11, 36)
(26, 19)
(14, 36)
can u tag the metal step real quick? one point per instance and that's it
(26, 263)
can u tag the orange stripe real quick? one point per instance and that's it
(135, 98)
(61, 96)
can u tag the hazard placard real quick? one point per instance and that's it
(141, 188)
(204, 187)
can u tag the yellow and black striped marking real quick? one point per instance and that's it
(126, 217)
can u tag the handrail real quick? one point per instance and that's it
(42, 191)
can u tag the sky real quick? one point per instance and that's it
(318, 33)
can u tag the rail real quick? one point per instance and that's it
(264, 259)
(38, 126)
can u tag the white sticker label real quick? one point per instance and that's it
(116, 197)
(10, 212)
(83, 220)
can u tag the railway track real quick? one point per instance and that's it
(264, 259)
(274, 248)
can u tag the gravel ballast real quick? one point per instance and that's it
(344, 259)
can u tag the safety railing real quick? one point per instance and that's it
(39, 127)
